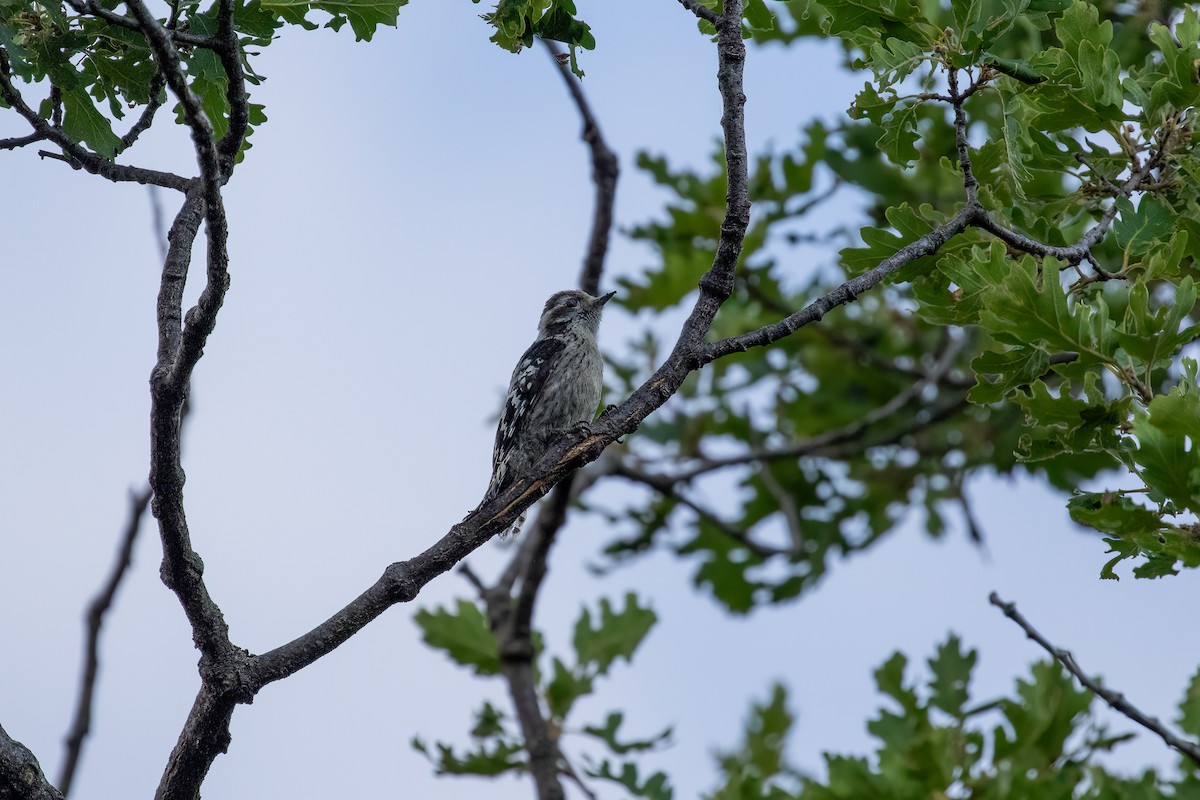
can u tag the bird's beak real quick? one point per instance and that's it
(604, 298)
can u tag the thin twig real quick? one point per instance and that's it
(703, 12)
(1116, 700)
(138, 501)
(146, 119)
(668, 486)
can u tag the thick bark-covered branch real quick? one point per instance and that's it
(95, 620)
(21, 776)
(1188, 749)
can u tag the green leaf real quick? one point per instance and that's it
(486, 760)
(890, 680)
(364, 16)
(489, 722)
(1189, 707)
(758, 15)
(1009, 371)
(758, 768)
(616, 634)
(1168, 465)
(564, 688)
(655, 787)
(1150, 226)
(1113, 513)
(951, 668)
(464, 635)
(894, 59)
(899, 139)
(84, 123)
(608, 734)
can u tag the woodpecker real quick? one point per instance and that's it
(555, 387)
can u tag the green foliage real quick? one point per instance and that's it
(759, 768)
(600, 639)
(463, 634)
(1075, 364)
(1039, 743)
(517, 22)
(495, 750)
(616, 634)
(364, 16)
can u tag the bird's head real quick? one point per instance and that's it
(572, 310)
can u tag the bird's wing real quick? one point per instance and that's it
(524, 393)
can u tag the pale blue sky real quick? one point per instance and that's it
(394, 231)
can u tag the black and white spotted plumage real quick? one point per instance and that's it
(555, 386)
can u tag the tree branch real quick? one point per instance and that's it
(703, 12)
(157, 83)
(76, 154)
(847, 433)
(970, 183)
(605, 171)
(21, 141)
(1116, 700)
(848, 292)
(21, 776)
(91, 8)
(94, 621)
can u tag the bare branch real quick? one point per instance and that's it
(668, 486)
(95, 619)
(20, 774)
(1116, 700)
(787, 506)
(147, 116)
(21, 141)
(605, 170)
(970, 184)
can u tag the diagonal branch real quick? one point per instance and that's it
(95, 619)
(848, 292)
(401, 581)
(702, 11)
(144, 121)
(848, 433)
(668, 486)
(1116, 700)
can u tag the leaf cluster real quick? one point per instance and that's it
(600, 639)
